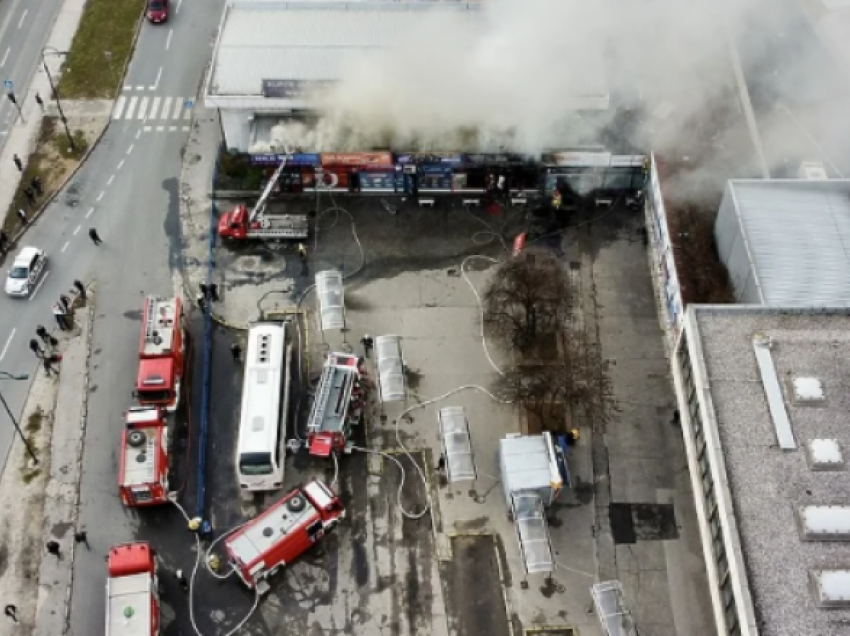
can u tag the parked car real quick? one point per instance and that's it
(29, 267)
(158, 11)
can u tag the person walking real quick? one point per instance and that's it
(236, 352)
(4, 242)
(54, 549)
(36, 348)
(181, 580)
(36, 185)
(39, 101)
(441, 464)
(47, 362)
(29, 193)
(61, 316)
(367, 343)
(302, 253)
(81, 536)
(22, 215)
(46, 338)
(66, 302)
(11, 611)
(95, 237)
(213, 291)
(81, 289)
(18, 163)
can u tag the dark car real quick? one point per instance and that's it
(158, 11)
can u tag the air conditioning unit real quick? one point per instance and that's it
(812, 171)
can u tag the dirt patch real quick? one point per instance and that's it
(52, 161)
(473, 592)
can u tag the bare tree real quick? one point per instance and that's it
(529, 296)
(575, 386)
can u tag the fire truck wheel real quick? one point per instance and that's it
(296, 504)
(136, 438)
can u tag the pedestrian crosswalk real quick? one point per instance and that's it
(155, 112)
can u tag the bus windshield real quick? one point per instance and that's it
(255, 464)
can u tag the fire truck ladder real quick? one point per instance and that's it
(260, 206)
(325, 386)
(150, 321)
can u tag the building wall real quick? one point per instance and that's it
(733, 251)
(731, 600)
(236, 125)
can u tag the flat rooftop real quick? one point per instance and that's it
(770, 486)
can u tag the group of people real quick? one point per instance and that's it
(47, 349)
(32, 192)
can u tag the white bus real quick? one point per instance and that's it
(260, 451)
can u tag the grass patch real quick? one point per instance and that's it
(100, 50)
(53, 160)
(32, 428)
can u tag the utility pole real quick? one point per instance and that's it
(11, 97)
(17, 426)
(55, 95)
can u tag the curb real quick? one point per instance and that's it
(139, 23)
(84, 411)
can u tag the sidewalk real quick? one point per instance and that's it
(45, 496)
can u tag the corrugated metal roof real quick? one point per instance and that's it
(798, 235)
(310, 40)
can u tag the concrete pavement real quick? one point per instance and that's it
(39, 502)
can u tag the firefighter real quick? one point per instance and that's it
(213, 562)
(557, 199)
(181, 580)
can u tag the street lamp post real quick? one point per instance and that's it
(9, 376)
(55, 93)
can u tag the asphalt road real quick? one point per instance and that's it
(128, 190)
(24, 27)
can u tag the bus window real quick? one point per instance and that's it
(255, 464)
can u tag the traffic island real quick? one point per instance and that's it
(38, 489)
(53, 161)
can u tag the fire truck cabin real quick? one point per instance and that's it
(161, 353)
(143, 475)
(132, 597)
(337, 406)
(283, 532)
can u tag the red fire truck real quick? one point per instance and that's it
(338, 405)
(282, 533)
(143, 473)
(132, 594)
(241, 224)
(161, 353)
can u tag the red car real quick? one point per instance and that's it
(158, 11)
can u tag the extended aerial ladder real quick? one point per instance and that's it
(242, 224)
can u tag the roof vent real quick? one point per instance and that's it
(831, 588)
(808, 391)
(824, 523)
(824, 454)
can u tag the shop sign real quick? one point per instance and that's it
(357, 159)
(292, 88)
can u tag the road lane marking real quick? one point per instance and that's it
(100, 196)
(8, 342)
(120, 164)
(131, 108)
(140, 88)
(5, 56)
(23, 17)
(155, 107)
(88, 214)
(166, 108)
(168, 40)
(119, 107)
(130, 149)
(79, 226)
(65, 247)
(147, 128)
(111, 179)
(179, 4)
(178, 108)
(158, 77)
(187, 128)
(187, 114)
(160, 128)
(143, 108)
(172, 129)
(37, 287)
(138, 134)
(127, 87)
